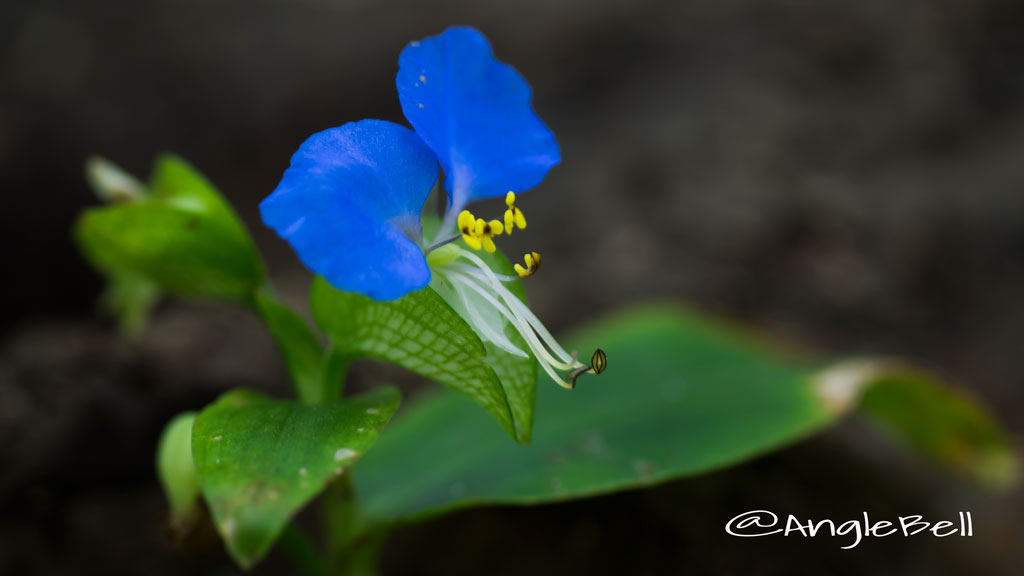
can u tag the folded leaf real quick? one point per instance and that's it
(180, 236)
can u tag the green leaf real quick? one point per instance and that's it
(176, 183)
(681, 396)
(181, 236)
(302, 351)
(182, 252)
(175, 470)
(419, 332)
(945, 425)
(260, 460)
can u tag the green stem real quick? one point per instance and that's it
(300, 348)
(335, 367)
(351, 549)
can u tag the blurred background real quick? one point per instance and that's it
(846, 176)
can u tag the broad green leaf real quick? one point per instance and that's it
(175, 469)
(681, 396)
(302, 351)
(180, 251)
(260, 460)
(419, 332)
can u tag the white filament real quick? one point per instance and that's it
(522, 310)
(482, 281)
(489, 332)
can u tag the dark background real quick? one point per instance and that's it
(846, 175)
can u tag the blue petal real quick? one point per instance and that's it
(475, 113)
(350, 206)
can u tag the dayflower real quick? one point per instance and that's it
(351, 202)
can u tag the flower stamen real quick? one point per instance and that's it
(478, 278)
(486, 231)
(477, 288)
(532, 265)
(467, 228)
(598, 362)
(513, 215)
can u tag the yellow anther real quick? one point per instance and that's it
(467, 227)
(486, 231)
(599, 361)
(513, 216)
(532, 265)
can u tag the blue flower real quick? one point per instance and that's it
(474, 112)
(351, 201)
(350, 206)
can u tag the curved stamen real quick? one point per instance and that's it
(500, 340)
(516, 305)
(598, 362)
(539, 350)
(472, 270)
(518, 308)
(530, 338)
(477, 277)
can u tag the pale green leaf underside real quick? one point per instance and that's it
(681, 396)
(260, 460)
